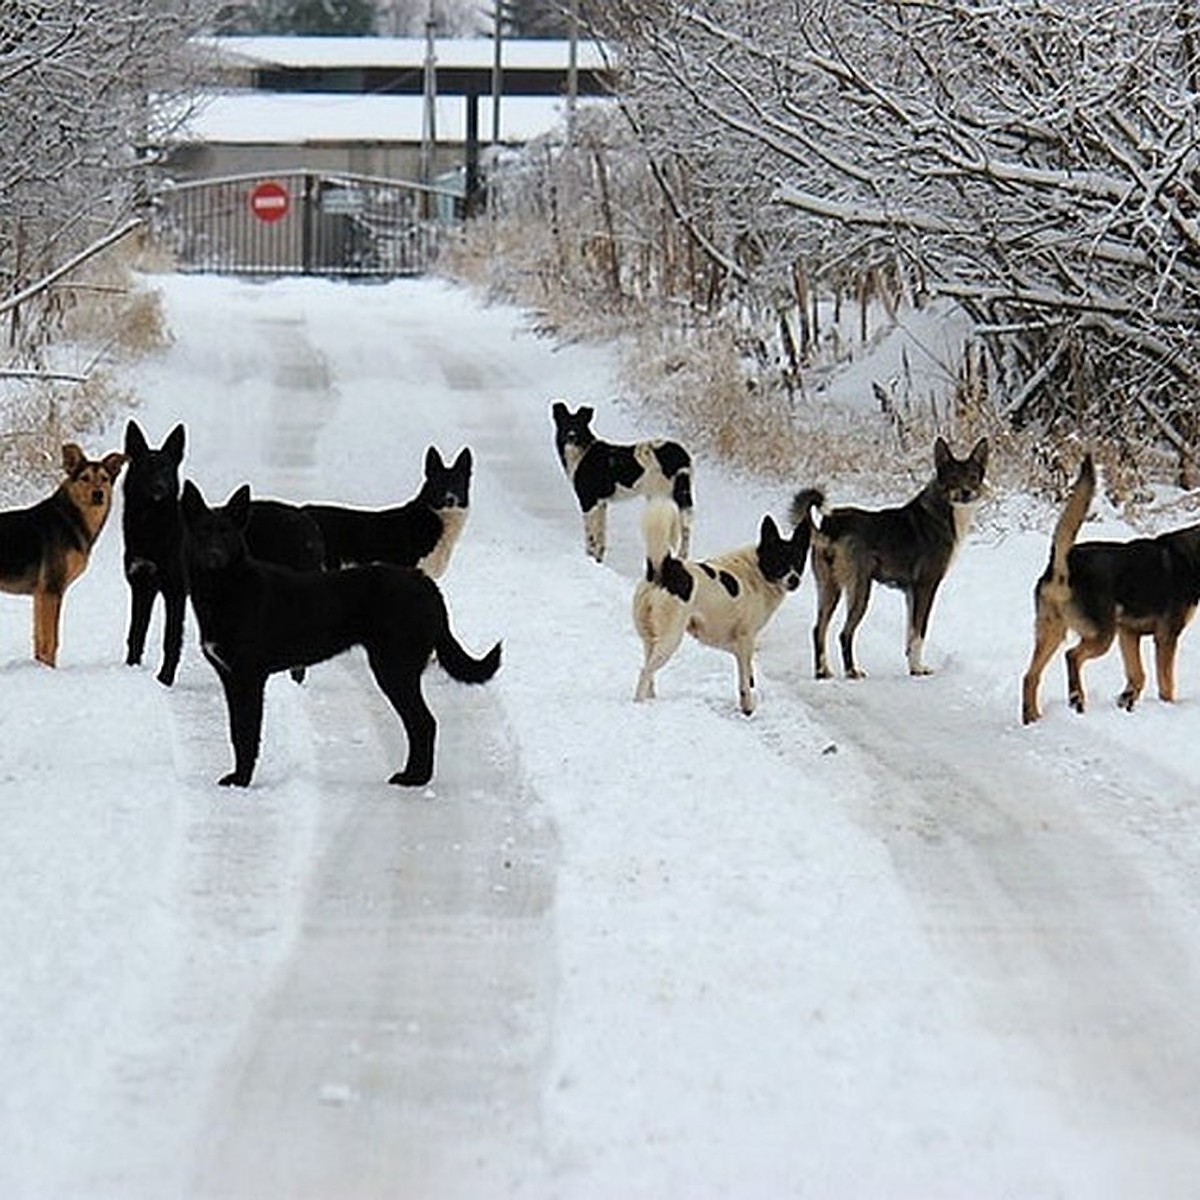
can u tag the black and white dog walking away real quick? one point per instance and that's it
(256, 619)
(1148, 587)
(421, 533)
(277, 533)
(601, 471)
(910, 548)
(723, 602)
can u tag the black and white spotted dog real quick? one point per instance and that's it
(601, 471)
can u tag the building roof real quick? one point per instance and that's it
(310, 118)
(405, 53)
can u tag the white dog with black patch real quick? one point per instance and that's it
(601, 471)
(724, 602)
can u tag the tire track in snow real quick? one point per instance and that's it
(1035, 906)
(401, 1042)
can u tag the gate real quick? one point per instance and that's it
(304, 223)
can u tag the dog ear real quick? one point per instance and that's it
(768, 531)
(586, 413)
(433, 461)
(941, 453)
(72, 458)
(237, 507)
(135, 440)
(980, 453)
(191, 503)
(174, 443)
(558, 410)
(463, 461)
(113, 463)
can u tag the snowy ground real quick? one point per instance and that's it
(876, 941)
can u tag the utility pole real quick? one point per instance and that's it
(572, 72)
(429, 123)
(497, 81)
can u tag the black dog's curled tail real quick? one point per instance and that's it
(803, 504)
(460, 665)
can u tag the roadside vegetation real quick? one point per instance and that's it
(783, 188)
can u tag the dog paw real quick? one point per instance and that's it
(1076, 702)
(407, 778)
(1126, 700)
(1029, 715)
(920, 670)
(165, 677)
(856, 673)
(234, 779)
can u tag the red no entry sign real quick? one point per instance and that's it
(269, 201)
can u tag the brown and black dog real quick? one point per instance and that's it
(910, 548)
(45, 547)
(1106, 590)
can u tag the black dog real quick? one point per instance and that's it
(256, 619)
(910, 548)
(150, 523)
(277, 533)
(421, 533)
(601, 471)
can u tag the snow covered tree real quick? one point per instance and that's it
(342, 18)
(1037, 160)
(76, 81)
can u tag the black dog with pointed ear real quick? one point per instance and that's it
(257, 618)
(421, 533)
(151, 525)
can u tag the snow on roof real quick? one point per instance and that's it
(299, 118)
(517, 53)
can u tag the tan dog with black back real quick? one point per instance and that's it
(45, 547)
(1148, 587)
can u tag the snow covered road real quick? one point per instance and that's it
(877, 941)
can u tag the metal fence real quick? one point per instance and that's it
(304, 223)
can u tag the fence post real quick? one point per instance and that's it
(308, 217)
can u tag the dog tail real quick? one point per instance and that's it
(1067, 529)
(662, 531)
(803, 504)
(460, 665)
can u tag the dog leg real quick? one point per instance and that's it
(744, 653)
(659, 651)
(141, 602)
(857, 597)
(828, 595)
(1049, 631)
(594, 523)
(1085, 649)
(46, 608)
(1135, 673)
(244, 698)
(920, 605)
(1165, 643)
(400, 682)
(686, 517)
(172, 636)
